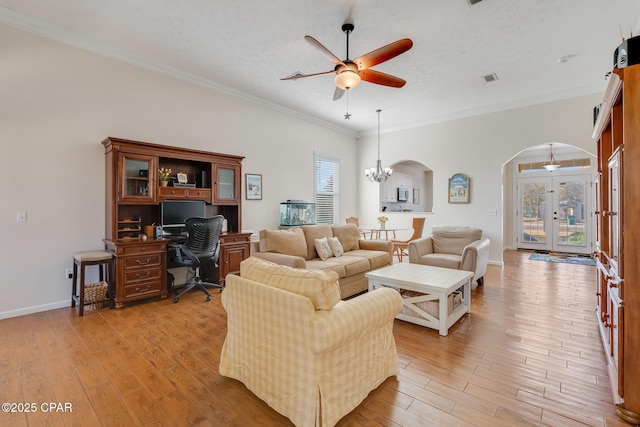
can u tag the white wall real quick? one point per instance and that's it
(477, 147)
(59, 102)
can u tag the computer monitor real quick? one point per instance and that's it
(175, 213)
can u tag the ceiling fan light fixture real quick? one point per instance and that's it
(349, 73)
(347, 80)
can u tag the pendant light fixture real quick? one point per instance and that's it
(551, 164)
(378, 174)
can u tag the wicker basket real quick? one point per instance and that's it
(94, 295)
(432, 307)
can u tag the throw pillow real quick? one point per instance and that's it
(349, 236)
(289, 242)
(323, 248)
(336, 247)
(313, 232)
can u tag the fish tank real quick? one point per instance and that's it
(297, 212)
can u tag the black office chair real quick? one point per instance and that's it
(202, 247)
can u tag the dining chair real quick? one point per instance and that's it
(400, 246)
(354, 220)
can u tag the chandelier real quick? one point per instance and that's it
(378, 174)
(551, 164)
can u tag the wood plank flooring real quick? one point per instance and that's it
(529, 354)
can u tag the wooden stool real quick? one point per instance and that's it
(83, 260)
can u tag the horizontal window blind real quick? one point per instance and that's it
(326, 189)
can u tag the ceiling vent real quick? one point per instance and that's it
(472, 2)
(490, 78)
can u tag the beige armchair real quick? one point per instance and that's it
(460, 248)
(299, 348)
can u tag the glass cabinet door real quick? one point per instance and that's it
(137, 177)
(614, 214)
(226, 183)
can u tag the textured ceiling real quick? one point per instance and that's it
(245, 47)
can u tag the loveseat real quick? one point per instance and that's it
(295, 345)
(296, 247)
(460, 248)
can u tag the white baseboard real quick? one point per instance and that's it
(34, 309)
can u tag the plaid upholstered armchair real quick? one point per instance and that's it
(295, 345)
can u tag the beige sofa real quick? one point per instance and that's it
(461, 248)
(296, 247)
(295, 345)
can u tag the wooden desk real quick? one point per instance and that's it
(134, 200)
(234, 248)
(141, 265)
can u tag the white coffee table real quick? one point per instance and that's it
(433, 284)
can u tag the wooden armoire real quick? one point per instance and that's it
(617, 136)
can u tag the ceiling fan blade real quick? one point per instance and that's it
(315, 43)
(377, 77)
(298, 75)
(383, 54)
(338, 93)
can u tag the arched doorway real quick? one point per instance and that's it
(415, 181)
(550, 211)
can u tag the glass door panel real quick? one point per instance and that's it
(554, 214)
(569, 215)
(614, 211)
(136, 175)
(533, 223)
(226, 184)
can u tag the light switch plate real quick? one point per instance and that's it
(21, 216)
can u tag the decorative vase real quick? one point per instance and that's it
(383, 225)
(164, 183)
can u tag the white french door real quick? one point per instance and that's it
(554, 213)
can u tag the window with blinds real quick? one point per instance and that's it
(326, 189)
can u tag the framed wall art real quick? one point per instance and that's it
(459, 188)
(253, 183)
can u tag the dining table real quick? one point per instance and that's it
(377, 231)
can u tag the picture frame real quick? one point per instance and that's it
(459, 188)
(416, 196)
(253, 186)
(182, 178)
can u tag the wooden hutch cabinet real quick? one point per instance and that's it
(617, 135)
(134, 198)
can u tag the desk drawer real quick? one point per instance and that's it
(145, 261)
(144, 288)
(144, 249)
(172, 192)
(141, 275)
(199, 194)
(234, 238)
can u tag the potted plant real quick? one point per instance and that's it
(163, 176)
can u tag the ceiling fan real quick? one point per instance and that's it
(349, 72)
